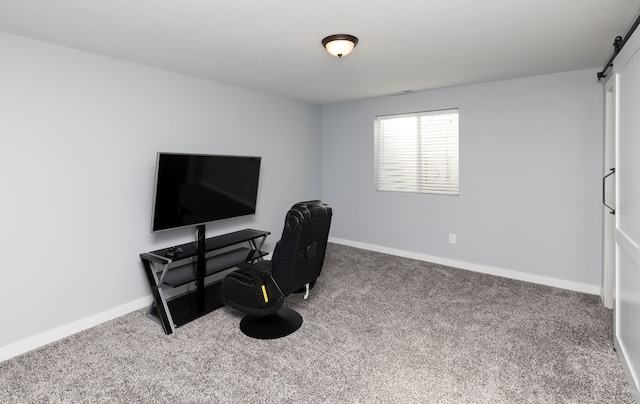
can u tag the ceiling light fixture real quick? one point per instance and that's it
(340, 45)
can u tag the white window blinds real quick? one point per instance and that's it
(418, 152)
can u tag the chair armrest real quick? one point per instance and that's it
(263, 267)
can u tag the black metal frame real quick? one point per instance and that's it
(618, 43)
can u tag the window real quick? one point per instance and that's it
(417, 152)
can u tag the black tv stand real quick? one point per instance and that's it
(177, 267)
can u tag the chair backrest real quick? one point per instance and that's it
(299, 255)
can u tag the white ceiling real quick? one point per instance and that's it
(274, 45)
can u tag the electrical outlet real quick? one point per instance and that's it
(452, 238)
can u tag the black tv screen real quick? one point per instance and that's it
(193, 189)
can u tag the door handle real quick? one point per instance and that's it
(604, 202)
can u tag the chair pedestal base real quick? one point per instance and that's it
(277, 325)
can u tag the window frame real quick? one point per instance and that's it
(438, 174)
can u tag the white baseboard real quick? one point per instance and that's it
(505, 273)
(37, 341)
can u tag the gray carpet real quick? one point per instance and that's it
(377, 329)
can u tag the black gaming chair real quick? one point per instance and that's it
(259, 289)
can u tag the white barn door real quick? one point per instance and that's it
(627, 230)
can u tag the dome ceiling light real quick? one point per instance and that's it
(340, 44)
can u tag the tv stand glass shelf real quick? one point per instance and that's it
(172, 271)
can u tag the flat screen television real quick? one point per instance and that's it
(194, 189)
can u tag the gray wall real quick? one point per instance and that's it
(78, 140)
(79, 134)
(530, 166)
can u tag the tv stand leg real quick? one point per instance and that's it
(201, 268)
(257, 245)
(159, 300)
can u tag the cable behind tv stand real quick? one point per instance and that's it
(172, 273)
